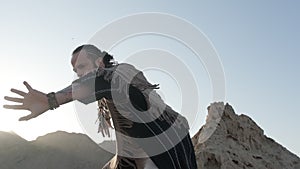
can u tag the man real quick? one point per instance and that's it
(149, 133)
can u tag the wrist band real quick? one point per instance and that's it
(53, 104)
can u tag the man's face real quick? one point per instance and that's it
(83, 65)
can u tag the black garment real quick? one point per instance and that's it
(180, 155)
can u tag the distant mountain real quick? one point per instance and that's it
(109, 146)
(59, 150)
(230, 141)
(13, 150)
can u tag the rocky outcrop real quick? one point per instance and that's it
(231, 141)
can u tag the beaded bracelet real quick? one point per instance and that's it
(53, 104)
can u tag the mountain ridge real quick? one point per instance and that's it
(58, 150)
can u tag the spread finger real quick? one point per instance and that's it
(19, 92)
(14, 99)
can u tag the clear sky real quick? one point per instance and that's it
(258, 43)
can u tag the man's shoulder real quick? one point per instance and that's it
(125, 67)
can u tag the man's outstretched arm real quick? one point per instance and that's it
(37, 102)
(34, 101)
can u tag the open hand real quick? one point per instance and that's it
(34, 101)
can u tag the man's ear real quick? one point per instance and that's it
(100, 63)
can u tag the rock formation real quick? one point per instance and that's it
(231, 141)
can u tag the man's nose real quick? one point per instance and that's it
(79, 74)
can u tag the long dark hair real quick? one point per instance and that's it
(95, 53)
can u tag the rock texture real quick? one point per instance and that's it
(59, 150)
(231, 141)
